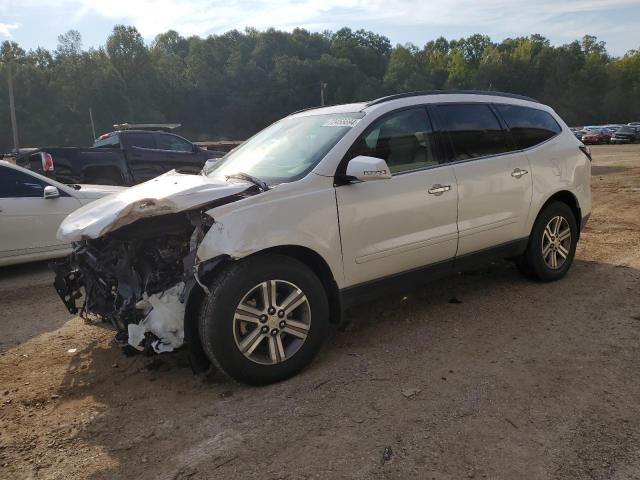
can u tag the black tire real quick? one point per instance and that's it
(532, 264)
(216, 324)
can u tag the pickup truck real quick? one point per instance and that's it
(127, 156)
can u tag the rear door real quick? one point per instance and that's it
(28, 221)
(493, 176)
(408, 221)
(145, 162)
(182, 153)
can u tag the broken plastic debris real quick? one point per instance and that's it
(165, 320)
(410, 392)
(387, 454)
(72, 350)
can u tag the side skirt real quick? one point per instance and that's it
(412, 279)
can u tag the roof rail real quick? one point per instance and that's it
(162, 127)
(448, 92)
(309, 108)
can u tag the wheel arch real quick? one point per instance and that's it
(196, 295)
(320, 267)
(568, 198)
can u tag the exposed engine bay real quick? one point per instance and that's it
(137, 276)
(134, 278)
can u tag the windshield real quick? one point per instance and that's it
(626, 130)
(287, 150)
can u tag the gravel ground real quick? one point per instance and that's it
(483, 375)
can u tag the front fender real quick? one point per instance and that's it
(286, 216)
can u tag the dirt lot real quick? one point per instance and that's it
(485, 375)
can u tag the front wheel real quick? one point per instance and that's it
(552, 244)
(265, 319)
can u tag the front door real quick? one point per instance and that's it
(408, 221)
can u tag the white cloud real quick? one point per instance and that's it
(5, 29)
(206, 16)
(560, 20)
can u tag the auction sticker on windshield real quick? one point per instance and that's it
(341, 122)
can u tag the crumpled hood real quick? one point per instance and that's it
(91, 192)
(169, 193)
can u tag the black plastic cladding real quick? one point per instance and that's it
(449, 92)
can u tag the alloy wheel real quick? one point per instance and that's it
(556, 242)
(271, 322)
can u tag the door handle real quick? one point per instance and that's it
(518, 172)
(438, 189)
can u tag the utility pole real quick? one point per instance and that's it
(93, 127)
(323, 87)
(12, 108)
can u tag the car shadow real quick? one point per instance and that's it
(154, 419)
(24, 289)
(607, 170)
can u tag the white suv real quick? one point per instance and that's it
(249, 262)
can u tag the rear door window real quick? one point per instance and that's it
(473, 129)
(528, 126)
(141, 140)
(173, 143)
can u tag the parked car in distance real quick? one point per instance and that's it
(324, 209)
(613, 128)
(626, 134)
(595, 135)
(130, 155)
(577, 132)
(31, 209)
(634, 124)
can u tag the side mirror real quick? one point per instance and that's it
(51, 192)
(368, 168)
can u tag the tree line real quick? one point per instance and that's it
(231, 85)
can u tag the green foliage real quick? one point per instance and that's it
(231, 85)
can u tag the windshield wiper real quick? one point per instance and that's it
(249, 178)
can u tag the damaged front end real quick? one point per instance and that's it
(134, 262)
(135, 278)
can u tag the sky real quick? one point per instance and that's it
(34, 23)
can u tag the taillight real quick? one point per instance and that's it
(47, 161)
(586, 150)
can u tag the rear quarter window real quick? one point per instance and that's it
(112, 141)
(528, 126)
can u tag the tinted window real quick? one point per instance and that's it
(18, 184)
(473, 129)
(173, 143)
(528, 126)
(141, 140)
(403, 139)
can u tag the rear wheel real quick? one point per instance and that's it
(265, 319)
(552, 244)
